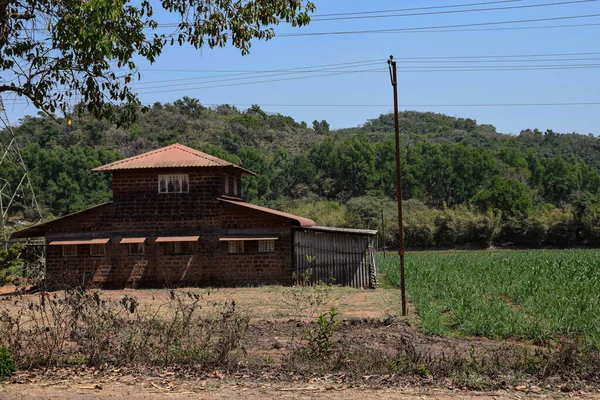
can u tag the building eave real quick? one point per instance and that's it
(41, 229)
(300, 221)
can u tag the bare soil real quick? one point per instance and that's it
(233, 390)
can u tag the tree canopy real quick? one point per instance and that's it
(459, 185)
(58, 52)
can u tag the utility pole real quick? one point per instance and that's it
(383, 234)
(393, 77)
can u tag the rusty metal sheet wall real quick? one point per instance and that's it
(337, 258)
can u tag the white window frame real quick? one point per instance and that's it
(180, 183)
(139, 246)
(235, 247)
(226, 184)
(266, 246)
(71, 253)
(99, 250)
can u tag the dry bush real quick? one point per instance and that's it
(73, 327)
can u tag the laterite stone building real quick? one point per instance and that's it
(177, 219)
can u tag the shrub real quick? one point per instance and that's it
(10, 265)
(7, 364)
(419, 224)
(320, 344)
(75, 326)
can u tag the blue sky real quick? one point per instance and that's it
(415, 88)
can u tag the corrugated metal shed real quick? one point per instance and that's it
(173, 156)
(336, 255)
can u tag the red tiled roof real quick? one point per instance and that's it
(173, 156)
(304, 222)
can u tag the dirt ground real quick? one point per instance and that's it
(369, 318)
(266, 302)
(234, 391)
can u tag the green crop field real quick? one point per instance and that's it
(531, 294)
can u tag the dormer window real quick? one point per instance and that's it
(235, 186)
(174, 183)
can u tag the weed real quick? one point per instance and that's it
(7, 364)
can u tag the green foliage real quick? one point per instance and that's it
(319, 339)
(10, 264)
(7, 364)
(507, 195)
(73, 49)
(535, 294)
(462, 182)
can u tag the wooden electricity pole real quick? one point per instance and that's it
(393, 77)
(383, 234)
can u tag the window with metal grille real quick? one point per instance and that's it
(97, 249)
(136, 249)
(235, 246)
(174, 248)
(173, 183)
(266, 246)
(69, 250)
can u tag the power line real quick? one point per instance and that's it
(236, 73)
(252, 74)
(369, 14)
(443, 68)
(424, 105)
(424, 28)
(452, 11)
(269, 80)
(324, 17)
(413, 9)
(381, 60)
(512, 28)
(501, 56)
(551, 104)
(202, 85)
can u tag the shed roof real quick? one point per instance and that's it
(304, 222)
(347, 231)
(40, 229)
(173, 156)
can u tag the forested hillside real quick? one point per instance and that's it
(463, 182)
